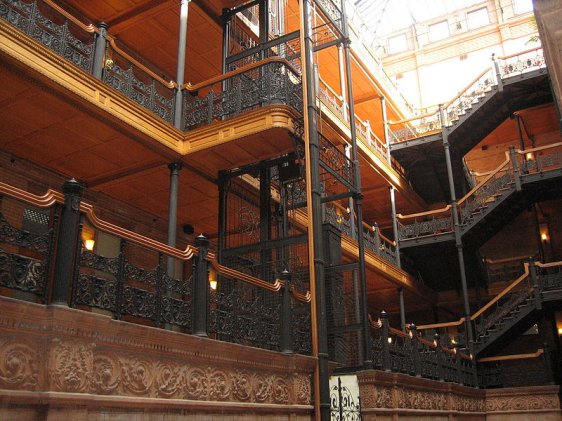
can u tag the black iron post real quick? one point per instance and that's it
(99, 51)
(265, 220)
(200, 292)
(286, 314)
(180, 69)
(414, 346)
(226, 24)
(386, 130)
(440, 357)
(322, 387)
(67, 244)
(396, 237)
(515, 165)
(457, 228)
(175, 168)
(358, 196)
(385, 343)
(536, 286)
(547, 359)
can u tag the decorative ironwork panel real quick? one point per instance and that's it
(95, 292)
(26, 270)
(273, 83)
(301, 328)
(57, 37)
(244, 314)
(149, 93)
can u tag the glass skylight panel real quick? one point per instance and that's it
(477, 18)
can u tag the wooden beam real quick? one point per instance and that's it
(123, 173)
(367, 97)
(138, 14)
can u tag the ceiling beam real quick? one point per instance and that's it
(138, 14)
(366, 97)
(127, 172)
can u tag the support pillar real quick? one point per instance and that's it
(200, 291)
(180, 70)
(367, 363)
(286, 314)
(341, 64)
(99, 51)
(314, 209)
(175, 168)
(68, 243)
(226, 16)
(458, 239)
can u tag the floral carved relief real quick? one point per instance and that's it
(522, 403)
(71, 365)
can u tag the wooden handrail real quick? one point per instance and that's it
(334, 93)
(441, 325)
(538, 149)
(512, 357)
(88, 28)
(530, 50)
(426, 213)
(44, 201)
(192, 88)
(418, 117)
(462, 91)
(507, 259)
(305, 298)
(484, 181)
(548, 265)
(398, 332)
(252, 280)
(169, 84)
(502, 293)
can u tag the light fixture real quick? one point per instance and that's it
(89, 244)
(213, 280)
(389, 339)
(560, 331)
(545, 236)
(529, 156)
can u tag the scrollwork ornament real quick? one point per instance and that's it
(218, 385)
(303, 389)
(195, 383)
(241, 386)
(18, 366)
(137, 376)
(280, 390)
(106, 377)
(72, 365)
(169, 379)
(262, 387)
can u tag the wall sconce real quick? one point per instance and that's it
(89, 244)
(545, 236)
(389, 339)
(560, 331)
(529, 156)
(213, 280)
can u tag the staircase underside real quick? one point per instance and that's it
(424, 158)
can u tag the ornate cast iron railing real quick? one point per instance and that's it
(492, 189)
(375, 241)
(433, 118)
(523, 294)
(126, 275)
(271, 81)
(408, 353)
(58, 30)
(71, 39)
(27, 237)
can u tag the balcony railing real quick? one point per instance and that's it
(45, 258)
(433, 119)
(496, 184)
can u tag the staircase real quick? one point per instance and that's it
(513, 83)
(492, 203)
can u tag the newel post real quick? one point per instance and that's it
(286, 315)
(67, 243)
(200, 293)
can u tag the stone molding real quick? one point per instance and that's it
(385, 392)
(48, 349)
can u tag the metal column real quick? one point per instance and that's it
(358, 197)
(398, 261)
(314, 210)
(175, 168)
(458, 239)
(180, 70)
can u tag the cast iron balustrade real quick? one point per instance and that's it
(539, 283)
(27, 238)
(75, 41)
(519, 168)
(125, 275)
(272, 81)
(55, 31)
(375, 241)
(489, 80)
(408, 353)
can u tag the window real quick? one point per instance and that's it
(477, 18)
(522, 6)
(397, 44)
(438, 31)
